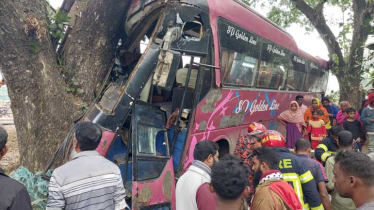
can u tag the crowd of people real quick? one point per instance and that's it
(263, 173)
(315, 123)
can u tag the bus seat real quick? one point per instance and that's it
(178, 145)
(160, 143)
(178, 91)
(117, 154)
(177, 98)
(178, 148)
(181, 77)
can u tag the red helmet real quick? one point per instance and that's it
(256, 127)
(273, 138)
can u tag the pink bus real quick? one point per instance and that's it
(208, 69)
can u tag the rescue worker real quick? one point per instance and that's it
(294, 172)
(244, 150)
(328, 147)
(272, 192)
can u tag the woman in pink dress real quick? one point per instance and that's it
(293, 119)
(342, 114)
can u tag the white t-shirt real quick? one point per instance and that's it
(367, 206)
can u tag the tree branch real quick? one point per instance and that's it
(317, 18)
(360, 34)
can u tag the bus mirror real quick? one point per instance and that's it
(166, 69)
(192, 30)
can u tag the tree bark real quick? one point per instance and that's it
(42, 108)
(89, 51)
(349, 86)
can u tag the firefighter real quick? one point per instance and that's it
(328, 147)
(294, 172)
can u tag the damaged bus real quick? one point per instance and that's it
(208, 69)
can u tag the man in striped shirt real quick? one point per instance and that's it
(89, 181)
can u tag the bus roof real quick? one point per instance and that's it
(241, 14)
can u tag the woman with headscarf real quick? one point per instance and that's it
(322, 112)
(342, 114)
(294, 122)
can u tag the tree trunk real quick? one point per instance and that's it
(349, 85)
(89, 52)
(42, 108)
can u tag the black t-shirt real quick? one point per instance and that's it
(13, 195)
(354, 127)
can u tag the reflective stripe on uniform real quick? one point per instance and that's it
(320, 207)
(306, 207)
(306, 177)
(295, 180)
(324, 147)
(324, 156)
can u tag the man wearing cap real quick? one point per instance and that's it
(294, 172)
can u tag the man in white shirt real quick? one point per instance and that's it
(192, 192)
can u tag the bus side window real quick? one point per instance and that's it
(296, 76)
(271, 75)
(274, 65)
(315, 80)
(295, 80)
(238, 69)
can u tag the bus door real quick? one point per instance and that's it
(153, 184)
(186, 79)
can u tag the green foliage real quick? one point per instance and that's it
(74, 87)
(34, 46)
(36, 186)
(342, 38)
(334, 96)
(335, 58)
(85, 107)
(285, 15)
(57, 22)
(368, 65)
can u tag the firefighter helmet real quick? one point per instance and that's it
(273, 138)
(256, 127)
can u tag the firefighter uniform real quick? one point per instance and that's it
(326, 149)
(301, 179)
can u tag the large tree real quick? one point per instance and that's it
(346, 49)
(49, 87)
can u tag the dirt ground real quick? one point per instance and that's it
(11, 160)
